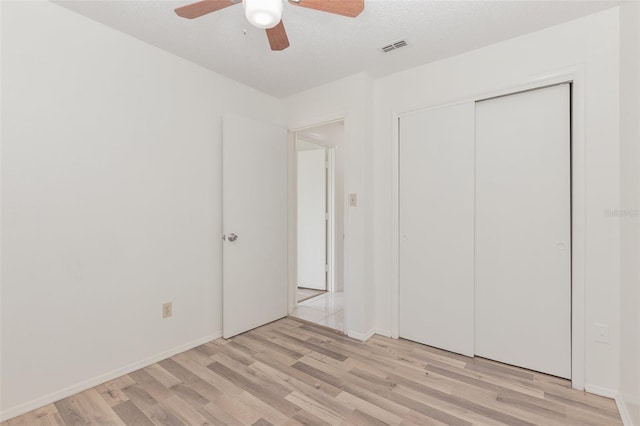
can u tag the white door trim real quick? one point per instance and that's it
(576, 76)
(331, 220)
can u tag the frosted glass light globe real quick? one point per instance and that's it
(263, 13)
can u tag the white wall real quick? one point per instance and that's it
(350, 98)
(111, 203)
(111, 192)
(630, 202)
(591, 42)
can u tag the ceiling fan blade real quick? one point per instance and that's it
(203, 7)
(350, 8)
(278, 37)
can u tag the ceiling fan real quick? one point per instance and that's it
(267, 14)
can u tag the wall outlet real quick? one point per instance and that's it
(353, 200)
(167, 310)
(602, 333)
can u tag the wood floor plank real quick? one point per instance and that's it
(131, 414)
(45, 416)
(123, 381)
(87, 407)
(276, 345)
(256, 377)
(189, 395)
(291, 372)
(162, 416)
(466, 404)
(207, 349)
(262, 409)
(261, 392)
(71, 414)
(165, 378)
(111, 393)
(309, 405)
(304, 418)
(149, 385)
(140, 396)
(178, 371)
(357, 417)
(362, 406)
(237, 408)
(217, 415)
(185, 412)
(316, 348)
(307, 293)
(214, 380)
(200, 356)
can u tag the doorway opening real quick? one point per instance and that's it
(319, 225)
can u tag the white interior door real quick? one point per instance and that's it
(254, 216)
(312, 219)
(436, 228)
(523, 230)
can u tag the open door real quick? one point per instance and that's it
(313, 216)
(254, 222)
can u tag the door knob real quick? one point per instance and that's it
(233, 237)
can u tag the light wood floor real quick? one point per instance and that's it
(308, 293)
(289, 373)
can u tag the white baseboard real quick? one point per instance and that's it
(600, 391)
(88, 384)
(382, 332)
(624, 412)
(363, 337)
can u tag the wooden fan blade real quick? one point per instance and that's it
(203, 7)
(350, 8)
(278, 37)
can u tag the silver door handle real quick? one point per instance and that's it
(232, 237)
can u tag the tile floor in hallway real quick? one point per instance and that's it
(326, 309)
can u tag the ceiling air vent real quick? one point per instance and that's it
(393, 46)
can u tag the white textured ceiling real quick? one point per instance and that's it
(325, 47)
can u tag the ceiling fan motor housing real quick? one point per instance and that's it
(263, 13)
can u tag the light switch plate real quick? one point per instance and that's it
(353, 200)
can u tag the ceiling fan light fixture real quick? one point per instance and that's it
(263, 13)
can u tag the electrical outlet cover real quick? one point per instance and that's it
(167, 310)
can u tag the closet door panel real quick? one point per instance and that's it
(523, 230)
(436, 194)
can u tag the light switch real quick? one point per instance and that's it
(353, 200)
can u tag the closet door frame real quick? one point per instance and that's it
(574, 76)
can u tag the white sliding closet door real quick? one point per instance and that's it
(436, 228)
(523, 230)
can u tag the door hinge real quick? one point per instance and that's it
(326, 216)
(326, 267)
